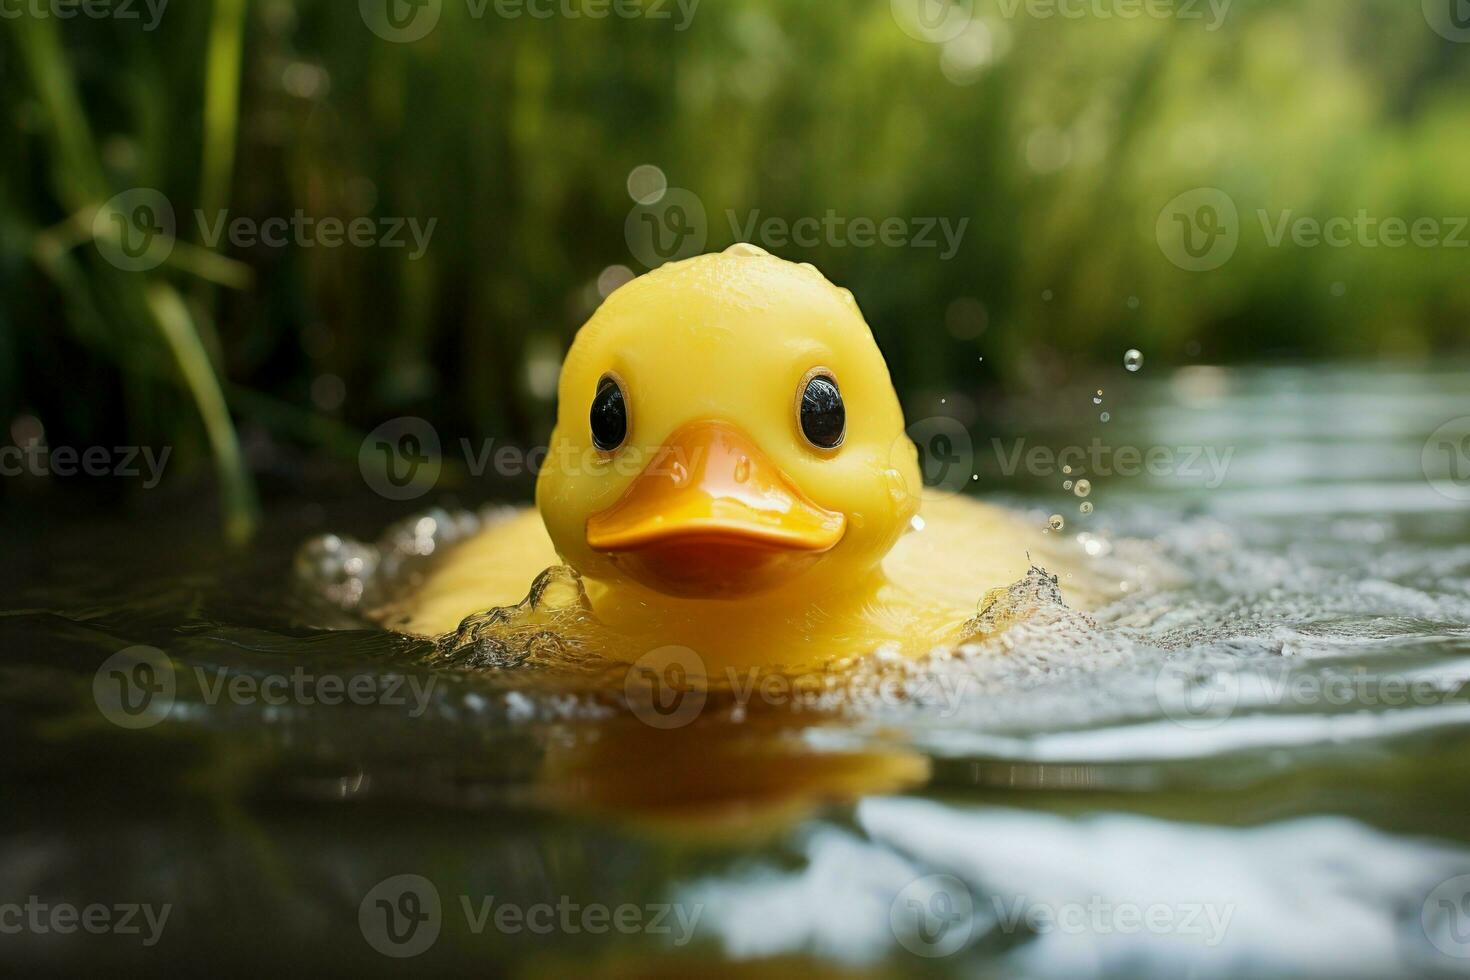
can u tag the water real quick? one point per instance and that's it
(1252, 761)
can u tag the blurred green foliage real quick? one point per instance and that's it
(1060, 139)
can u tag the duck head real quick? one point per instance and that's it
(727, 426)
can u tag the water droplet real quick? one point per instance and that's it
(1056, 523)
(1086, 508)
(742, 469)
(1106, 417)
(1133, 360)
(917, 523)
(680, 473)
(1083, 488)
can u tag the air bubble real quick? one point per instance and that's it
(1133, 360)
(1083, 488)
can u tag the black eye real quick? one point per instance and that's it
(823, 417)
(609, 415)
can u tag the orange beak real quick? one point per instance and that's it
(711, 515)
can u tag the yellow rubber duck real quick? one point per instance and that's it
(730, 473)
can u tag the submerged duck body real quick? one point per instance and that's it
(729, 472)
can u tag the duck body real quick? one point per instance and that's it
(730, 473)
(929, 586)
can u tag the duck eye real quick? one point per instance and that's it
(822, 414)
(609, 415)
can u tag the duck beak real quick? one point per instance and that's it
(712, 515)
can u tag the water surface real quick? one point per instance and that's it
(1253, 762)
